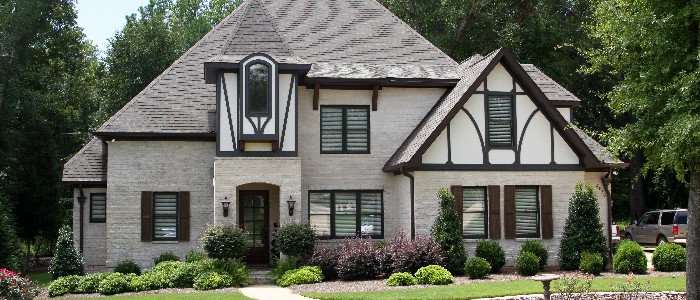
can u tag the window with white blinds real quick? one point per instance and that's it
(527, 212)
(474, 212)
(500, 113)
(98, 208)
(344, 129)
(165, 216)
(339, 214)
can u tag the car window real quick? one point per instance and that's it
(644, 219)
(653, 218)
(667, 217)
(682, 217)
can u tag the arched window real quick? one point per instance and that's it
(258, 89)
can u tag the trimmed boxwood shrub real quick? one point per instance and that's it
(536, 248)
(303, 275)
(127, 267)
(224, 242)
(493, 253)
(434, 274)
(212, 280)
(116, 283)
(67, 260)
(325, 257)
(478, 268)
(165, 256)
(296, 240)
(236, 269)
(401, 279)
(447, 231)
(64, 285)
(629, 258)
(91, 283)
(282, 265)
(583, 230)
(158, 277)
(591, 263)
(669, 257)
(357, 259)
(527, 264)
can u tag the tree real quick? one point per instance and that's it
(653, 46)
(448, 233)
(9, 244)
(583, 230)
(67, 260)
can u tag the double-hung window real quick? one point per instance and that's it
(339, 214)
(98, 208)
(527, 220)
(500, 118)
(344, 129)
(165, 216)
(474, 212)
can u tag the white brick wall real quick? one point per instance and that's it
(94, 242)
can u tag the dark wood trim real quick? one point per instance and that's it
(272, 79)
(358, 212)
(344, 133)
(498, 167)
(183, 217)
(242, 153)
(283, 134)
(228, 111)
(86, 184)
(566, 103)
(519, 147)
(375, 96)
(449, 144)
(513, 122)
(546, 212)
(92, 218)
(551, 135)
(484, 153)
(494, 196)
(317, 88)
(458, 203)
(509, 211)
(155, 136)
(213, 67)
(266, 215)
(177, 217)
(538, 212)
(369, 83)
(146, 216)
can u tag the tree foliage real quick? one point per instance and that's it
(583, 230)
(448, 233)
(67, 260)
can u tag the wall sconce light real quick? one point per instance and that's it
(290, 204)
(225, 204)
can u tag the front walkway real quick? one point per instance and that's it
(271, 292)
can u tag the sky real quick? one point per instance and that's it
(100, 19)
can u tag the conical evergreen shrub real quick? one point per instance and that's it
(9, 244)
(583, 231)
(67, 260)
(447, 232)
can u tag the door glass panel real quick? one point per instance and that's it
(254, 219)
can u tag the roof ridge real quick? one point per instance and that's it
(278, 32)
(420, 36)
(169, 68)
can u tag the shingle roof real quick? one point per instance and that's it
(89, 165)
(554, 91)
(598, 150)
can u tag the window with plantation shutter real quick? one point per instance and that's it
(340, 214)
(527, 212)
(165, 217)
(344, 129)
(500, 114)
(98, 208)
(474, 222)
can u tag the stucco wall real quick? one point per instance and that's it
(95, 234)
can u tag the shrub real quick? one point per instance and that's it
(493, 253)
(15, 287)
(478, 268)
(403, 254)
(303, 275)
(224, 242)
(669, 258)
(282, 265)
(212, 280)
(629, 258)
(296, 240)
(158, 277)
(195, 256)
(591, 263)
(183, 276)
(234, 268)
(67, 260)
(127, 267)
(64, 285)
(447, 231)
(325, 258)
(583, 230)
(433, 274)
(401, 279)
(9, 243)
(116, 283)
(165, 256)
(536, 248)
(357, 259)
(91, 283)
(527, 264)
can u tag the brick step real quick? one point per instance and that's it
(260, 276)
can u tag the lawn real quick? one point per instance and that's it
(192, 296)
(42, 279)
(493, 289)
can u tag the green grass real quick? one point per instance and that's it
(42, 279)
(493, 289)
(192, 296)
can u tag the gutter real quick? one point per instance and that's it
(607, 181)
(81, 201)
(413, 197)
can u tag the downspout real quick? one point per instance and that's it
(81, 201)
(607, 180)
(413, 218)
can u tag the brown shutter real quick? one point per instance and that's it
(509, 210)
(546, 206)
(146, 216)
(184, 217)
(494, 194)
(458, 204)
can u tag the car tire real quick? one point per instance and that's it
(661, 240)
(628, 237)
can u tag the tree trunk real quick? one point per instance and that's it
(636, 187)
(693, 239)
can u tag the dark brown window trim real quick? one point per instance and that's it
(177, 216)
(92, 218)
(271, 77)
(513, 121)
(358, 212)
(344, 130)
(538, 201)
(485, 212)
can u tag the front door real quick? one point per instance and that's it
(253, 218)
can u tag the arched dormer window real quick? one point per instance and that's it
(259, 88)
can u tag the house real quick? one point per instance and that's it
(335, 113)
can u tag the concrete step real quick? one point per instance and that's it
(260, 276)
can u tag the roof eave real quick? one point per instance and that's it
(185, 136)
